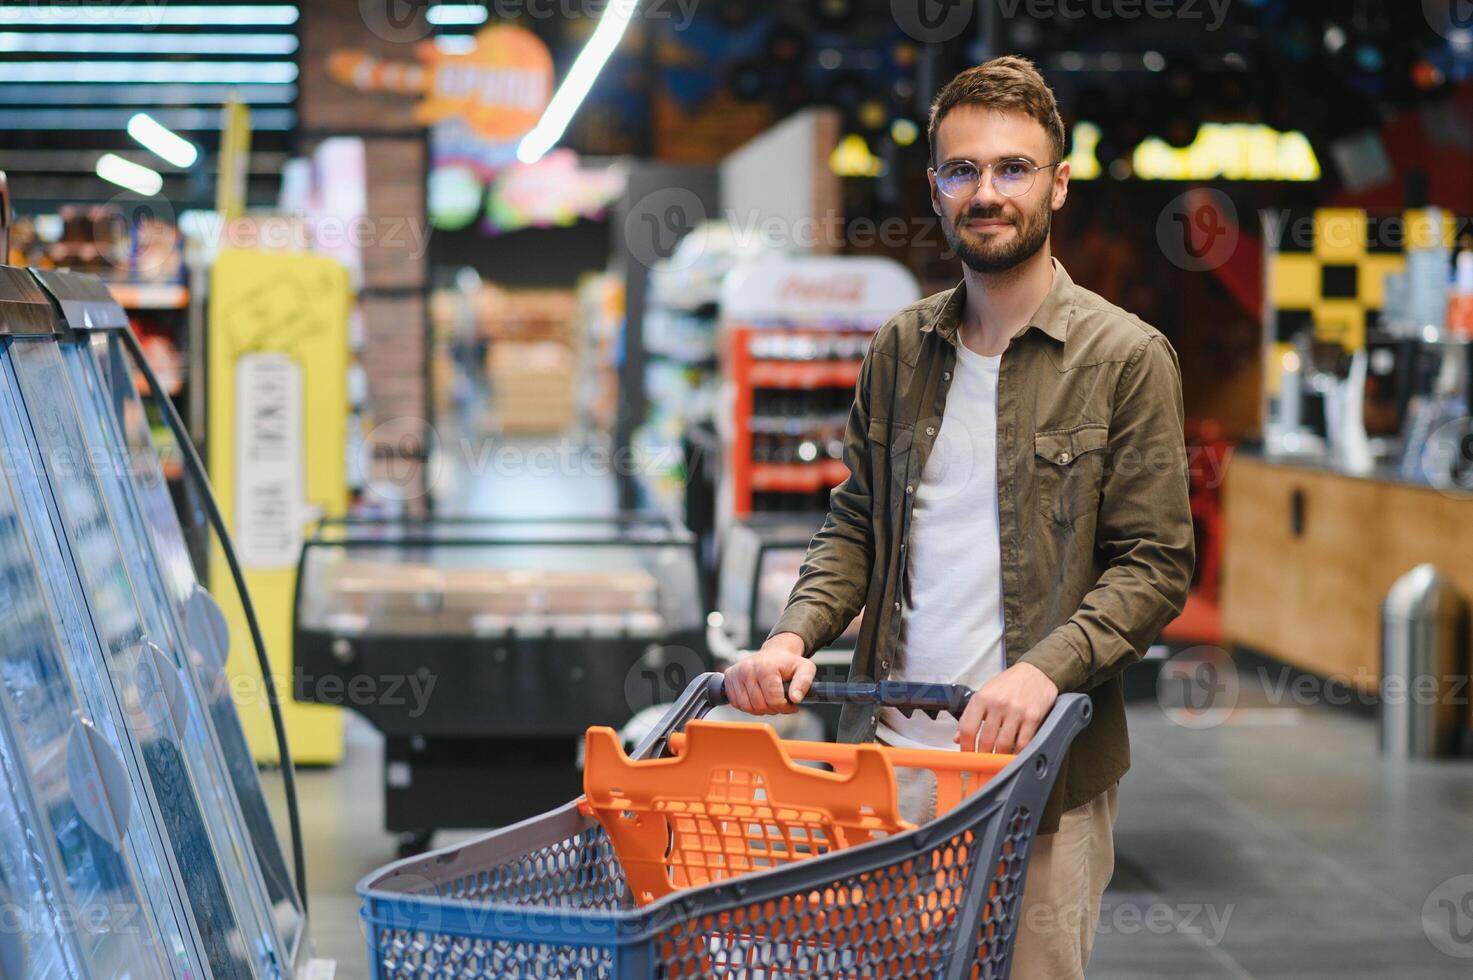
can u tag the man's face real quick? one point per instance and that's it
(992, 232)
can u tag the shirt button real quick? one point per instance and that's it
(945, 375)
(930, 430)
(896, 607)
(909, 488)
(1063, 457)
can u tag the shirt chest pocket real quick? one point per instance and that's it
(1069, 465)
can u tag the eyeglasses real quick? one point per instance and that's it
(1010, 178)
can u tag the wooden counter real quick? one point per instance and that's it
(1308, 555)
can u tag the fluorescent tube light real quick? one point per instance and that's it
(575, 87)
(162, 141)
(456, 14)
(82, 42)
(148, 13)
(129, 175)
(188, 72)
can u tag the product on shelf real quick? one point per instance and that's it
(795, 333)
(532, 384)
(680, 339)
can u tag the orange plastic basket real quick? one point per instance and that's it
(734, 799)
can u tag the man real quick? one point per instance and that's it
(1015, 517)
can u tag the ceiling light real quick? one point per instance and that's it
(162, 141)
(456, 14)
(129, 175)
(571, 93)
(148, 15)
(153, 72)
(47, 42)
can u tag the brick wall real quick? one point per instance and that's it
(395, 263)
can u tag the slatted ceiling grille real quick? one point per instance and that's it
(73, 74)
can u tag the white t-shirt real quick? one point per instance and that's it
(952, 628)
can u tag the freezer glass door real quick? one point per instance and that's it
(105, 389)
(87, 872)
(142, 657)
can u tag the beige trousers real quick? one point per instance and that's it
(1067, 875)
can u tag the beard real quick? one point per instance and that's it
(1032, 232)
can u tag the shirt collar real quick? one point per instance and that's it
(1051, 317)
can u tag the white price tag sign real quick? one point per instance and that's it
(269, 461)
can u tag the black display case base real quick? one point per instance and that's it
(435, 784)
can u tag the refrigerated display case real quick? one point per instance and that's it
(103, 383)
(135, 835)
(503, 640)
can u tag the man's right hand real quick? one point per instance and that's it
(755, 685)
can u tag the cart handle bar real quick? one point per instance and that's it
(908, 696)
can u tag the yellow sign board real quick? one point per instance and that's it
(278, 410)
(235, 160)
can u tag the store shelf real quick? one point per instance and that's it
(803, 374)
(796, 425)
(798, 477)
(150, 295)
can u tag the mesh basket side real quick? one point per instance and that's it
(580, 872)
(407, 955)
(897, 921)
(999, 921)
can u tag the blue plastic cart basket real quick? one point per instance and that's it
(546, 898)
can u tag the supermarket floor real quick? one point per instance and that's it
(1274, 845)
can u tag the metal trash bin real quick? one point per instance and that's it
(1424, 666)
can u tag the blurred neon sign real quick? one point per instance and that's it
(1220, 151)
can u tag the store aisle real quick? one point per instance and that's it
(539, 476)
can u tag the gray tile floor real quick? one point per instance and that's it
(1277, 844)
(1277, 847)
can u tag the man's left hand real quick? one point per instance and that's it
(1005, 714)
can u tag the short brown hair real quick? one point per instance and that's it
(1009, 84)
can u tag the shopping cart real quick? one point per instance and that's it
(547, 898)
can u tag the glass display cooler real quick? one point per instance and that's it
(506, 638)
(138, 851)
(760, 559)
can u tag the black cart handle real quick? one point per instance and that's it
(908, 696)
